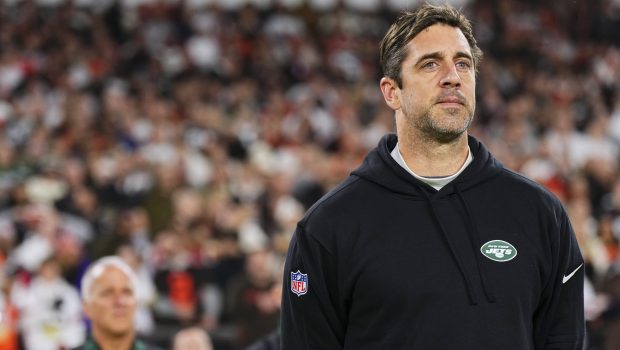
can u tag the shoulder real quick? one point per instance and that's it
(333, 214)
(520, 181)
(142, 345)
(528, 192)
(339, 203)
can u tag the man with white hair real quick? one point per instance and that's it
(109, 301)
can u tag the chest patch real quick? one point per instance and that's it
(498, 250)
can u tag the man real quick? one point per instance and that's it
(431, 243)
(192, 338)
(50, 309)
(110, 302)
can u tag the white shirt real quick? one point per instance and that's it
(436, 182)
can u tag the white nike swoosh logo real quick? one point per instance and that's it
(566, 278)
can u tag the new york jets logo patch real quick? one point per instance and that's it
(498, 250)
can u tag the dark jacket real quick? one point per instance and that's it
(91, 344)
(269, 342)
(384, 261)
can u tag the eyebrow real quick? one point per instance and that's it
(440, 55)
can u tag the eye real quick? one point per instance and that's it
(105, 293)
(430, 65)
(463, 65)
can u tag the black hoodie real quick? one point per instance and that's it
(384, 261)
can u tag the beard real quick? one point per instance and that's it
(444, 125)
(438, 123)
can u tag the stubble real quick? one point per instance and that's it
(444, 125)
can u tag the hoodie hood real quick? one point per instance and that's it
(380, 168)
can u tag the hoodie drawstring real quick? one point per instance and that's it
(475, 242)
(473, 297)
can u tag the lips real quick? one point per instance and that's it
(451, 99)
(120, 314)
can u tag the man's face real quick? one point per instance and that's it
(112, 303)
(437, 96)
(192, 339)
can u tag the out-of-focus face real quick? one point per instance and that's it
(192, 339)
(112, 304)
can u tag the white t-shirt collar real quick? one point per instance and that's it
(436, 182)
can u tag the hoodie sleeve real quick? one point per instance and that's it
(310, 317)
(559, 319)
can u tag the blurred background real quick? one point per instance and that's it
(189, 137)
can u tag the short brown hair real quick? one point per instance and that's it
(409, 24)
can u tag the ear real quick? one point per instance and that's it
(86, 310)
(391, 92)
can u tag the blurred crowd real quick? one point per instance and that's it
(188, 137)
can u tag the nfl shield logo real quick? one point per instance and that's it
(299, 283)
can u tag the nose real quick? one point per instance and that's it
(122, 300)
(450, 77)
(119, 301)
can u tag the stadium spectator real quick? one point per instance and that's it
(110, 299)
(192, 338)
(50, 308)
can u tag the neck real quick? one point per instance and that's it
(431, 158)
(108, 341)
